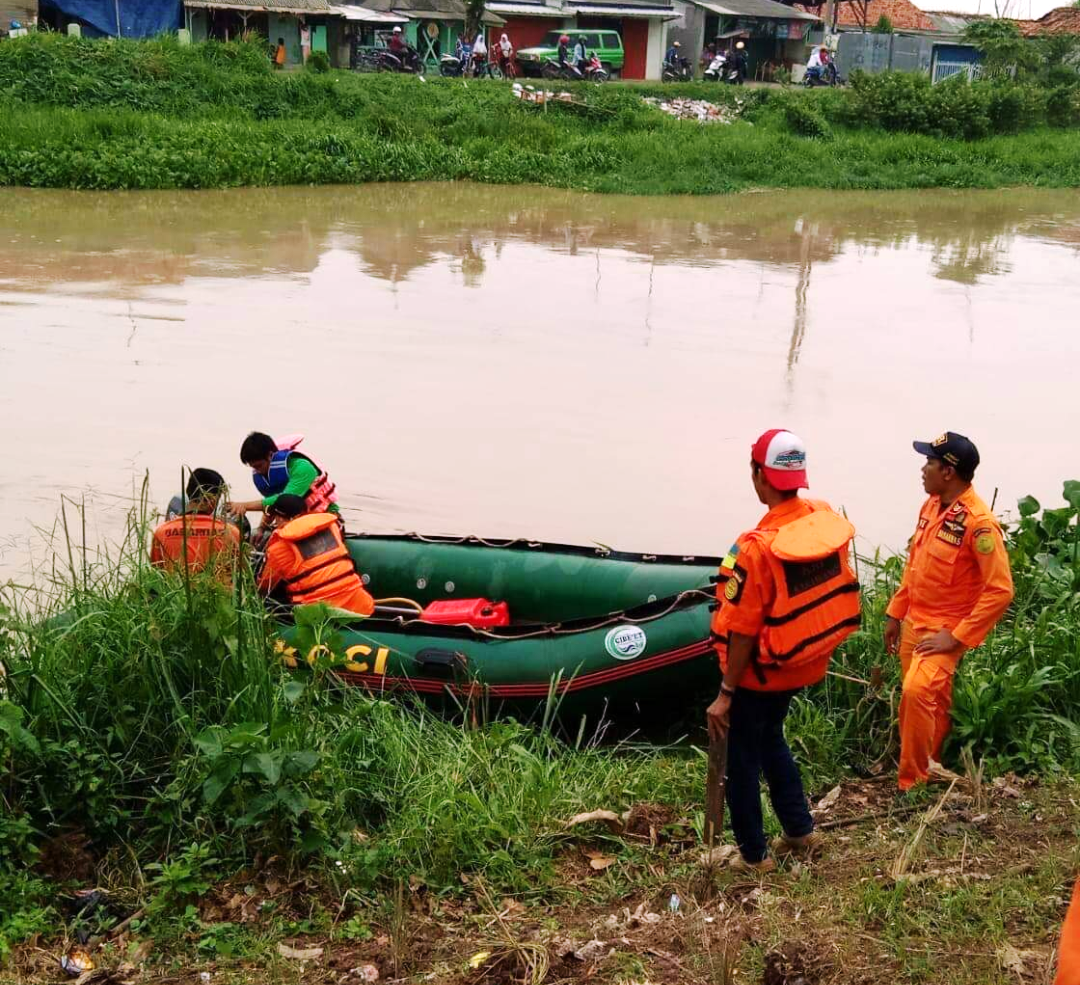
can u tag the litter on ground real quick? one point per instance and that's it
(696, 109)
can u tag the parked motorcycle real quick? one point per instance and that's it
(682, 72)
(822, 75)
(454, 65)
(724, 68)
(387, 61)
(718, 68)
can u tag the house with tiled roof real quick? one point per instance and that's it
(1060, 20)
(862, 15)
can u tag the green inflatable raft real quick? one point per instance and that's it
(590, 631)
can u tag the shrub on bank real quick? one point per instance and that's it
(127, 114)
(908, 102)
(804, 120)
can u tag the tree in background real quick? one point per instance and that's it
(884, 25)
(1004, 49)
(474, 15)
(1049, 58)
(1060, 54)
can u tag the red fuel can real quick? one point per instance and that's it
(481, 613)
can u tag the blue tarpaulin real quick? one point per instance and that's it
(128, 18)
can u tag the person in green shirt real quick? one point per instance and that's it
(278, 469)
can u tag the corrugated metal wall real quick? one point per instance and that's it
(688, 30)
(884, 52)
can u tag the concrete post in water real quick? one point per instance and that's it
(183, 36)
(74, 30)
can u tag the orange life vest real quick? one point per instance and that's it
(817, 594)
(320, 568)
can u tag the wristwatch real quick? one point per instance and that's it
(729, 691)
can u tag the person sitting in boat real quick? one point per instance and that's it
(194, 535)
(307, 561)
(278, 469)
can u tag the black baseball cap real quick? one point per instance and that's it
(953, 449)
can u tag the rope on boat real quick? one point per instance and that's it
(404, 601)
(474, 539)
(558, 629)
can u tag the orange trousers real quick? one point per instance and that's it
(924, 706)
(1068, 972)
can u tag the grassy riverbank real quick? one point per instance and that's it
(151, 745)
(80, 114)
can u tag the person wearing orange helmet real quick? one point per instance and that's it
(956, 586)
(786, 598)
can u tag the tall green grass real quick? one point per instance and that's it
(117, 115)
(148, 712)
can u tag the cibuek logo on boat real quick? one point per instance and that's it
(625, 642)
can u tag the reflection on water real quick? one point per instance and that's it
(529, 361)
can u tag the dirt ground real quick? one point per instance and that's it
(965, 884)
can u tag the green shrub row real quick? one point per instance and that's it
(908, 102)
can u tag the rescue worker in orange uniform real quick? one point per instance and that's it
(1068, 970)
(956, 586)
(306, 558)
(198, 537)
(786, 598)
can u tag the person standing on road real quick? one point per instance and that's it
(479, 54)
(739, 59)
(305, 41)
(956, 586)
(786, 599)
(506, 53)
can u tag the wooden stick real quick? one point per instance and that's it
(845, 822)
(714, 790)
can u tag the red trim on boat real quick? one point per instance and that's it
(380, 682)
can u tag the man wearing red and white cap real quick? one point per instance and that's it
(786, 598)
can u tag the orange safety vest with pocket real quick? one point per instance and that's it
(816, 606)
(309, 558)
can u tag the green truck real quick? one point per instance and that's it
(607, 45)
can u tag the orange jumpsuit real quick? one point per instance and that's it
(957, 578)
(1068, 971)
(207, 539)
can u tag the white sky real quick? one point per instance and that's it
(1016, 8)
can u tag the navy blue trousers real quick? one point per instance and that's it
(756, 745)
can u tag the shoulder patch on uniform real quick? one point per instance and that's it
(733, 588)
(984, 541)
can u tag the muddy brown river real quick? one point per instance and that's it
(522, 361)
